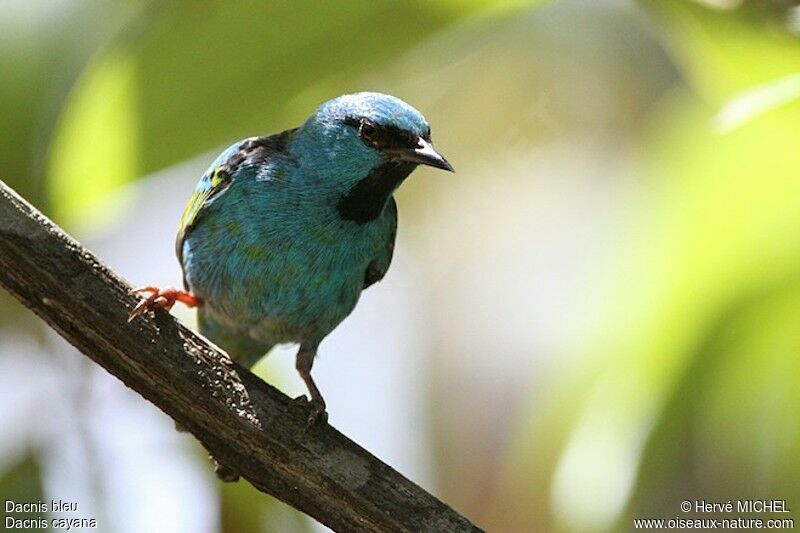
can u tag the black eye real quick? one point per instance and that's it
(368, 131)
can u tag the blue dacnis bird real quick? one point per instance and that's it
(283, 232)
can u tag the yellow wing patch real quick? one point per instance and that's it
(219, 181)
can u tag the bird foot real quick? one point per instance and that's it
(316, 407)
(161, 298)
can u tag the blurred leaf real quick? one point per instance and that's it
(754, 102)
(244, 508)
(40, 61)
(736, 404)
(22, 483)
(726, 52)
(82, 173)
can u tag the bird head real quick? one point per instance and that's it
(355, 133)
(365, 145)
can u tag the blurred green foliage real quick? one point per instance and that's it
(21, 483)
(686, 388)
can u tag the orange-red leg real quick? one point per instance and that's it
(161, 298)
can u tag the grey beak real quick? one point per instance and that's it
(424, 154)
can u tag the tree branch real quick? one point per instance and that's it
(245, 423)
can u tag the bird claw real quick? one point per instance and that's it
(316, 407)
(160, 299)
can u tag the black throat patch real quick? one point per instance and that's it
(366, 200)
